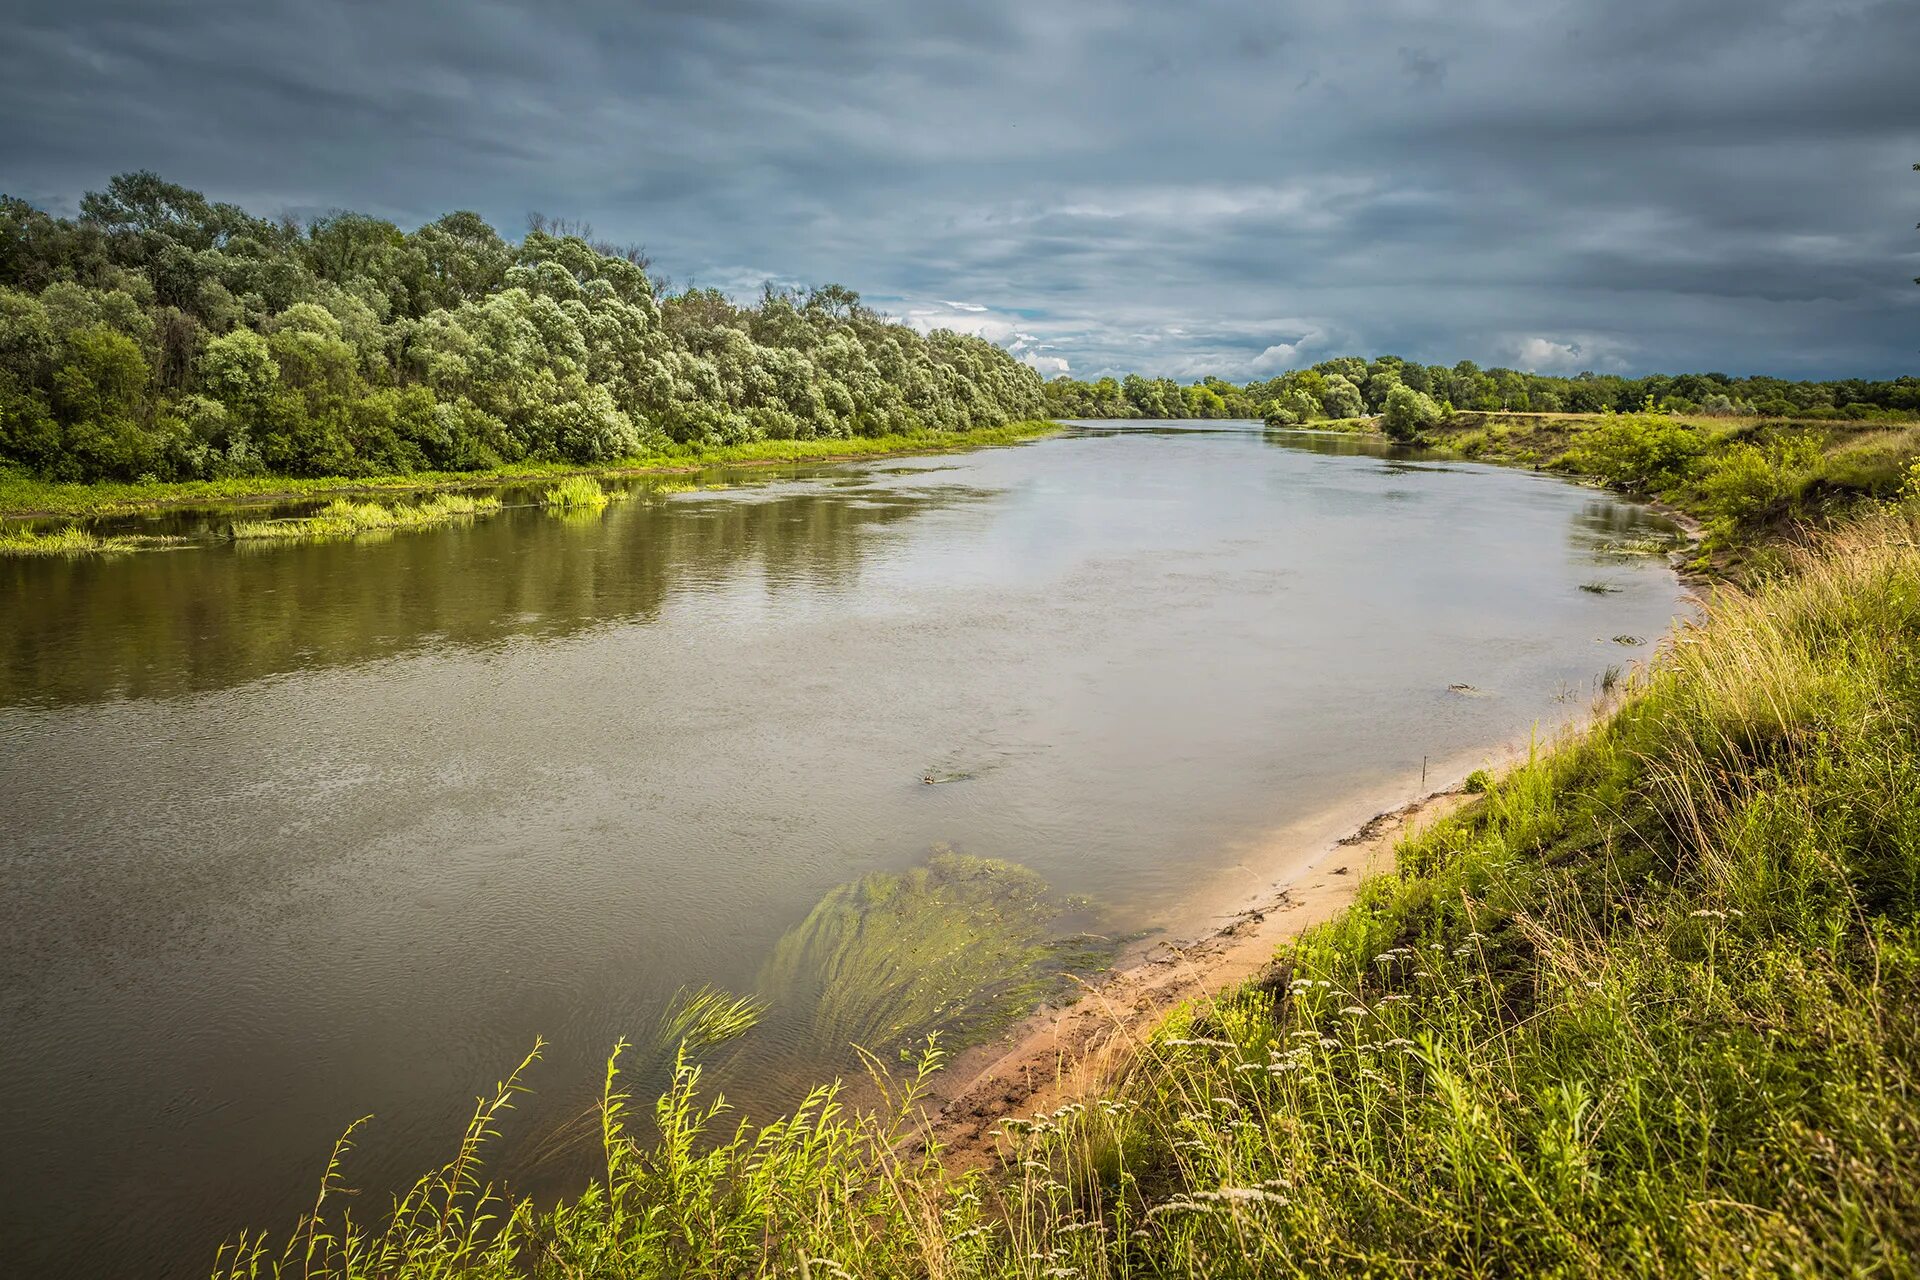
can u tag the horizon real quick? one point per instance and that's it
(1230, 195)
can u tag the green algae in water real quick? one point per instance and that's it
(961, 946)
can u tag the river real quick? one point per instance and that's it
(300, 832)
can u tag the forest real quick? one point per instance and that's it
(1350, 387)
(159, 335)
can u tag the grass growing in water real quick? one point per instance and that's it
(577, 492)
(958, 947)
(71, 541)
(342, 518)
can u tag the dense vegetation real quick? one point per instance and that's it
(1350, 387)
(162, 335)
(1746, 480)
(1650, 1005)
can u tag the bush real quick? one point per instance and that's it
(1645, 453)
(1408, 412)
(1746, 481)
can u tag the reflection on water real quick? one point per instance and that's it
(219, 614)
(300, 832)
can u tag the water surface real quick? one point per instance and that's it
(296, 833)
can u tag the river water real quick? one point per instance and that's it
(297, 833)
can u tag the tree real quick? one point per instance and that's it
(1408, 412)
(1342, 399)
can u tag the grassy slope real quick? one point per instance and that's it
(1650, 1007)
(22, 495)
(1751, 481)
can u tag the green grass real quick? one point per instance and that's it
(1649, 1006)
(577, 492)
(344, 519)
(71, 541)
(23, 495)
(1750, 482)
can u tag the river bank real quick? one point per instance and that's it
(1647, 1003)
(1058, 1055)
(26, 498)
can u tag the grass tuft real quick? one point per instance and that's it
(578, 493)
(344, 519)
(70, 541)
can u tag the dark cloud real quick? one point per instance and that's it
(1212, 187)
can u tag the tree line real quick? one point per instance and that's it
(160, 334)
(1351, 387)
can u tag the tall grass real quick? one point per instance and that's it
(70, 541)
(1649, 1008)
(577, 492)
(344, 519)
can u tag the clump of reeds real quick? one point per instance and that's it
(70, 541)
(343, 518)
(577, 492)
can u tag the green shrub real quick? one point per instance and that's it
(1642, 453)
(1408, 412)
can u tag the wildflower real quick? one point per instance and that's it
(1354, 1011)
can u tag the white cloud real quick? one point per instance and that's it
(1562, 356)
(1276, 358)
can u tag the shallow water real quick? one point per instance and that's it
(299, 832)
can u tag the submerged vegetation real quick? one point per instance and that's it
(958, 948)
(341, 518)
(160, 336)
(1649, 1005)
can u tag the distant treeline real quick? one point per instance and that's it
(1350, 387)
(163, 335)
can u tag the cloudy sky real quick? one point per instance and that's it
(1217, 186)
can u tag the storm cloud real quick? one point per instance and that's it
(1228, 188)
